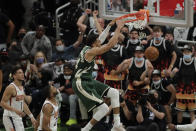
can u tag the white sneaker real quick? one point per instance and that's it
(118, 128)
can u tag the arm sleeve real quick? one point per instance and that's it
(187, 127)
(104, 34)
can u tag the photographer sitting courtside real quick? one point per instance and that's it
(166, 91)
(150, 113)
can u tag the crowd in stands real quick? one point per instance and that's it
(154, 94)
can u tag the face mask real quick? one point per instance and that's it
(139, 59)
(21, 35)
(40, 60)
(157, 82)
(134, 41)
(187, 57)
(157, 38)
(60, 48)
(94, 74)
(67, 77)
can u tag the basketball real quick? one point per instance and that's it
(151, 53)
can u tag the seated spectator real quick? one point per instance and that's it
(35, 41)
(56, 67)
(65, 80)
(66, 53)
(166, 91)
(151, 113)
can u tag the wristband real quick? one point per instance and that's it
(31, 115)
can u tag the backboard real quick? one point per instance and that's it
(162, 12)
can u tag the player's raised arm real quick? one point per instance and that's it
(99, 50)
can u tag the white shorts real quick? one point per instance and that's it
(13, 124)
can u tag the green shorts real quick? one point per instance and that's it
(90, 92)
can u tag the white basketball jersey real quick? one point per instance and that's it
(53, 118)
(16, 102)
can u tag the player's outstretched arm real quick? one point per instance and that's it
(112, 42)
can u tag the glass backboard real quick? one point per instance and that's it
(162, 12)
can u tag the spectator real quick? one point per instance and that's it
(132, 42)
(65, 80)
(56, 67)
(166, 91)
(99, 23)
(170, 37)
(112, 59)
(151, 113)
(33, 70)
(35, 41)
(15, 49)
(136, 66)
(186, 84)
(6, 25)
(66, 53)
(167, 55)
(127, 111)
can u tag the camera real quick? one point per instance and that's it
(147, 97)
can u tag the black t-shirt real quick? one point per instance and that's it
(131, 108)
(3, 27)
(63, 82)
(150, 117)
(164, 94)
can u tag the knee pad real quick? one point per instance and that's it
(113, 94)
(101, 111)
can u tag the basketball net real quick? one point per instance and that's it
(137, 20)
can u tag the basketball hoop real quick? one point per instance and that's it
(137, 20)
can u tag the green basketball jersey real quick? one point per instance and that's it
(83, 68)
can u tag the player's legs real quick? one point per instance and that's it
(91, 98)
(102, 110)
(113, 94)
(13, 124)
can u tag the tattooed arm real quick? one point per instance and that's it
(124, 66)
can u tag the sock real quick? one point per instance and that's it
(116, 119)
(87, 127)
